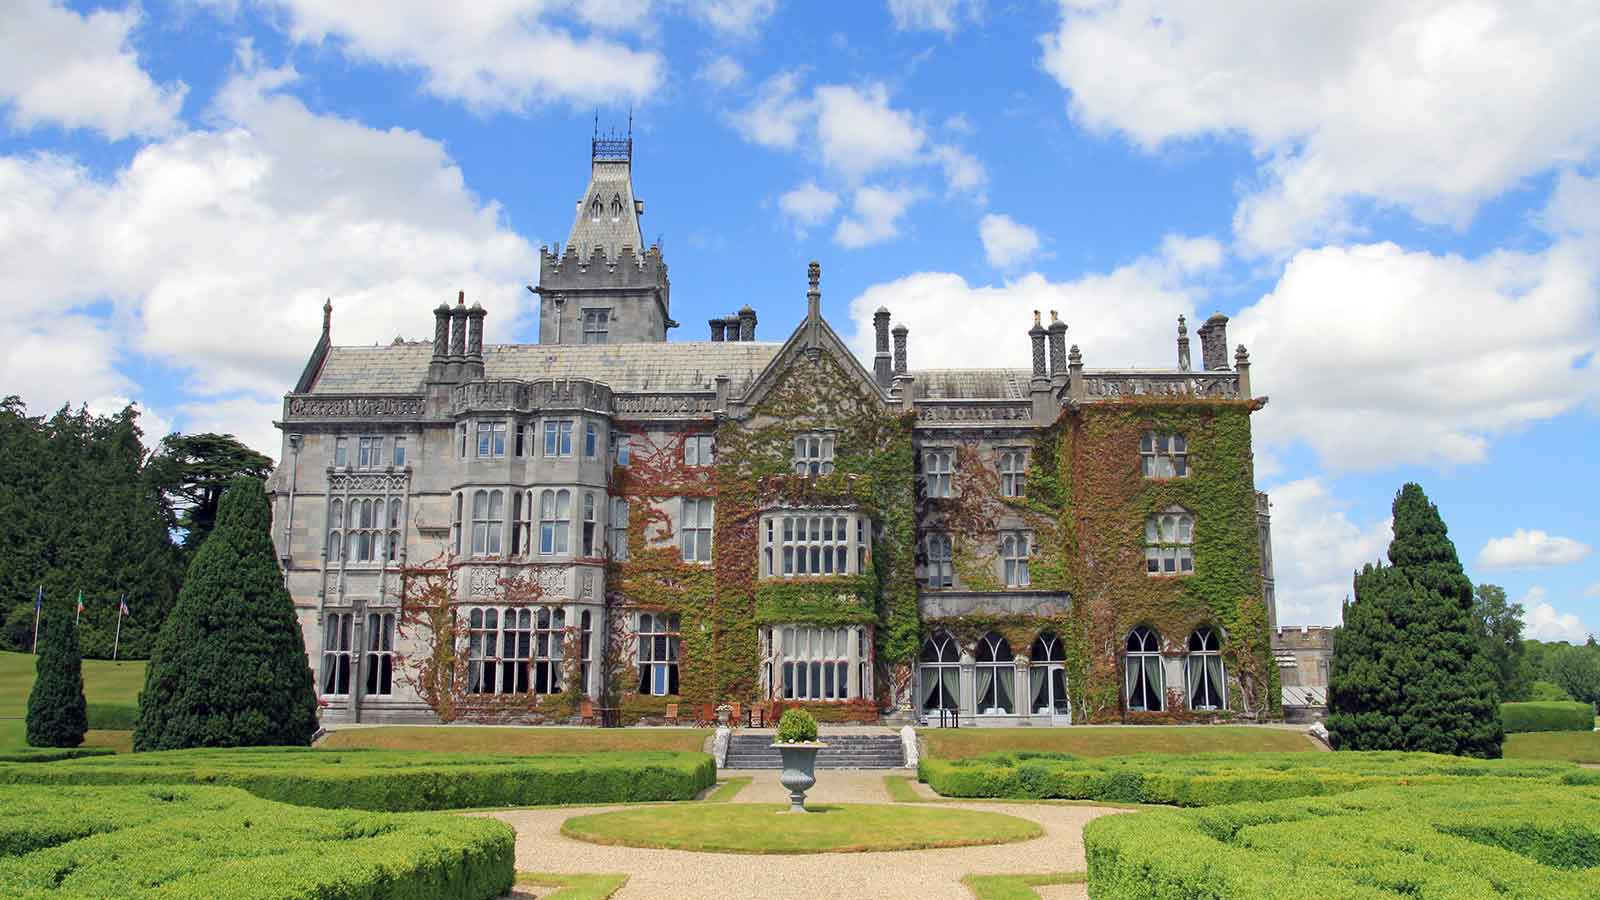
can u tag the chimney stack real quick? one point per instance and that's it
(717, 328)
(882, 371)
(1183, 345)
(1036, 335)
(730, 325)
(1058, 350)
(900, 332)
(441, 342)
(472, 368)
(458, 338)
(1214, 343)
(747, 323)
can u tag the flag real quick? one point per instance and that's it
(122, 605)
(38, 600)
(80, 603)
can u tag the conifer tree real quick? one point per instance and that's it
(1409, 671)
(57, 715)
(229, 667)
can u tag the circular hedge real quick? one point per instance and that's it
(767, 828)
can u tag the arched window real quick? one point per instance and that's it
(555, 514)
(1169, 542)
(1014, 558)
(595, 209)
(1143, 670)
(380, 654)
(940, 571)
(336, 654)
(940, 664)
(616, 206)
(1048, 676)
(997, 674)
(1208, 687)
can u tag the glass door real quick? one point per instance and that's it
(1050, 695)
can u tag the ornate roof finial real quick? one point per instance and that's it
(327, 316)
(1182, 327)
(1036, 318)
(814, 292)
(1053, 317)
(461, 298)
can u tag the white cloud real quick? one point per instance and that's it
(1007, 243)
(1574, 206)
(963, 173)
(808, 206)
(247, 418)
(959, 124)
(214, 250)
(859, 133)
(80, 71)
(1543, 622)
(874, 217)
(777, 115)
(721, 72)
(1317, 549)
(1434, 106)
(1125, 317)
(1531, 548)
(1375, 356)
(509, 55)
(934, 15)
(740, 18)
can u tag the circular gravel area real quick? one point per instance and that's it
(770, 828)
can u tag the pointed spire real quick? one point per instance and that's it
(1183, 345)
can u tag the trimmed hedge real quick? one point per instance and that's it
(1500, 840)
(51, 754)
(209, 843)
(396, 781)
(1210, 779)
(1546, 716)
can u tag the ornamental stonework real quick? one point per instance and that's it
(393, 407)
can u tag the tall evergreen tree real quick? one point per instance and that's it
(1499, 624)
(1409, 671)
(229, 667)
(57, 715)
(191, 471)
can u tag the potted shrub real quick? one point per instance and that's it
(797, 742)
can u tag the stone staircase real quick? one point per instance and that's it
(753, 750)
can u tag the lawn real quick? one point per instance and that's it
(1114, 740)
(525, 741)
(574, 887)
(767, 828)
(112, 686)
(1574, 746)
(1018, 887)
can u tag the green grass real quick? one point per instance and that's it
(765, 828)
(1113, 740)
(900, 789)
(1017, 887)
(727, 790)
(395, 781)
(522, 740)
(1572, 746)
(574, 887)
(111, 689)
(197, 843)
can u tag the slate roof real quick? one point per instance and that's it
(670, 366)
(972, 384)
(612, 185)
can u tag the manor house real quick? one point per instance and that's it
(608, 519)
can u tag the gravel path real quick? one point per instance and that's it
(908, 873)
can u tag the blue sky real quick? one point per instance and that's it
(1398, 206)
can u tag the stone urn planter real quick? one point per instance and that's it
(799, 771)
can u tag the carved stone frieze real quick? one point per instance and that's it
(367, 482)
(1219, 386)
(378, 407)
(934, 412)
(482, 581)
(666, 404)
(529, 396)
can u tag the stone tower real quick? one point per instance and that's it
(603, 287)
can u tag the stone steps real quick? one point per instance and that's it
(844, 751)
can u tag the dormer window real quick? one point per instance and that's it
(813, 454)
(595, 209)
(616, 207)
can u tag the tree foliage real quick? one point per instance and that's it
(229, 668)
(1499, 625)
(57, 715)
(191, 471)
(1410, 672)
(79, 514)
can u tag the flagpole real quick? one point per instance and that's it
(37, 603)
(118, 640)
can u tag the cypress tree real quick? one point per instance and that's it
(229, 666)
(57, 715)
(1409, 671)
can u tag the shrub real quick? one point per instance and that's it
(1502, 839)
(796, 727)
(1210, 779)
(51, 754)
(396, 781)
(56, 715)
(196, 843)
(1548, 716)
(1547, 690)
(229, 667)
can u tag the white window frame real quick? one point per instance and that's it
(591, 440)
(1205, 673)
(337, 647)
(555, 521)
(369, 451)
(378, 666)
(1144, 675)
(1013, 467)
(800, 543)
(699, 450)
(939, 665)
(621, 449)
(813, 453)
(341, 452)
(1169, 543)
(812, 663)
(488, 521)
(656, 647)
(597, 326)
(696, 521)
(938, 468)
(591, 524)
(1163, 454)
(1016, 548)
(997, 658)
(940, 572)
(515, 650)
(557, 438)
(399, 452)
(618, 524)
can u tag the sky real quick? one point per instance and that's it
(1398, 205)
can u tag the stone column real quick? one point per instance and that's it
(969, 688)
(852, 657)
(1241, 362)
(1024, 693)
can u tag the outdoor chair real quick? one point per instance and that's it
(672, 714)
